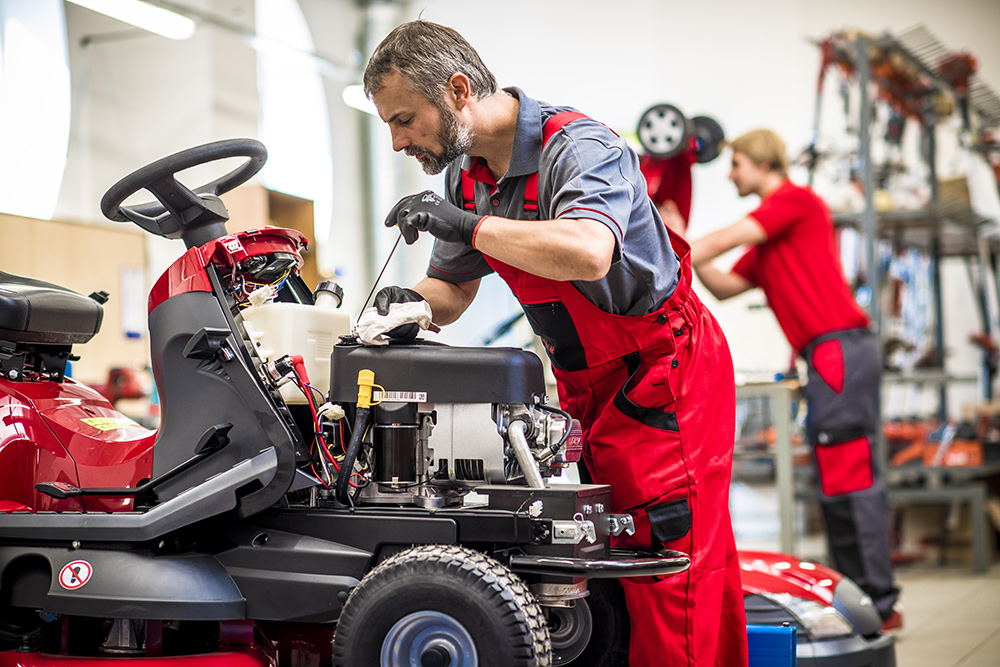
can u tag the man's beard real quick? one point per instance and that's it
(455, 139)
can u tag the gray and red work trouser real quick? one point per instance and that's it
(845, 372)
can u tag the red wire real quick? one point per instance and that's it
(318, 435)
(316, 474)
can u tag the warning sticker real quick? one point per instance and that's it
(399, 396)
(110, 423)
(75, 574)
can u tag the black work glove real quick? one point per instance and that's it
(393, 294)
(427, 212)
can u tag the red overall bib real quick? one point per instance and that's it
(655, 396)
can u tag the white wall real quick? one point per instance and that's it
(745, 64)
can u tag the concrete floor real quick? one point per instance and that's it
(951, 617)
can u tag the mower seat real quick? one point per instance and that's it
(32, 311)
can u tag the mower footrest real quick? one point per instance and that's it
(664, 563)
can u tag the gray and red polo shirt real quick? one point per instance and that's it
(585, 171)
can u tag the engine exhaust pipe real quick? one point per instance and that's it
(519, 441)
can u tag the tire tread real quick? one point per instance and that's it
(522, 615)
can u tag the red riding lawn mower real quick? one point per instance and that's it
(306, 501)
(672, 144)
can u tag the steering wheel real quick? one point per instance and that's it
(197, 215)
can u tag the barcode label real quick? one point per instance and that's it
(399, 396)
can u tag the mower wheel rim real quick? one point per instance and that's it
(570, 629)
(428, 638)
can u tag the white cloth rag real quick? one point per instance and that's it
(371, 328)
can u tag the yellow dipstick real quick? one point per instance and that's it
(366, 382)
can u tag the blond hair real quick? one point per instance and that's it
(763, 147)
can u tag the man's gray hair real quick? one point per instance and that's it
(427, 55)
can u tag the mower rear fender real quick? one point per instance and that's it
(118, 583)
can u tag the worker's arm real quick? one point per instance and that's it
(672, 218)
(447, 300)
(721, 285)
(743, 232)
(562, 249)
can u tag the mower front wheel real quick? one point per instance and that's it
(442, 605)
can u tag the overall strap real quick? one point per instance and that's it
(468, 191)
(554, 123)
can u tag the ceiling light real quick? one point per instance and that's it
(143, 15)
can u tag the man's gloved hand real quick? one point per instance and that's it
(398, 313)
(394, 294)
(427, 212)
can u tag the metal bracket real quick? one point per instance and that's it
(621, 523)
(573, 532)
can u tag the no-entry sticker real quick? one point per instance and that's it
(75, 574)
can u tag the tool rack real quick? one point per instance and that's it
(916, 75)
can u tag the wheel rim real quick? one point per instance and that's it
(570, 629)
(662, 130)
(428, 639)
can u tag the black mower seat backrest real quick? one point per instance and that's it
(32, 311)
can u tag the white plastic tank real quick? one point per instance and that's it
(277, 329)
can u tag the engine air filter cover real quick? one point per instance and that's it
(438, 374)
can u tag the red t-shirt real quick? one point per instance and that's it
(798, 267)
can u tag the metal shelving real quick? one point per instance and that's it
(917, 76)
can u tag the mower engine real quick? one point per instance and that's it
(438, 421)
(445, 420)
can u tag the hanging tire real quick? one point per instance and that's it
(709, 138)
(611, 630)
(663, 131)
(441, 605)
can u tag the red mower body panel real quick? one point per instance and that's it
(771, 572)
(67, 432)
(187, 273)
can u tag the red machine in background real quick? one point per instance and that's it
(671, 145)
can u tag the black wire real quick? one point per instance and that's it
(566, 416)
(350, 456)
(436, 476)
